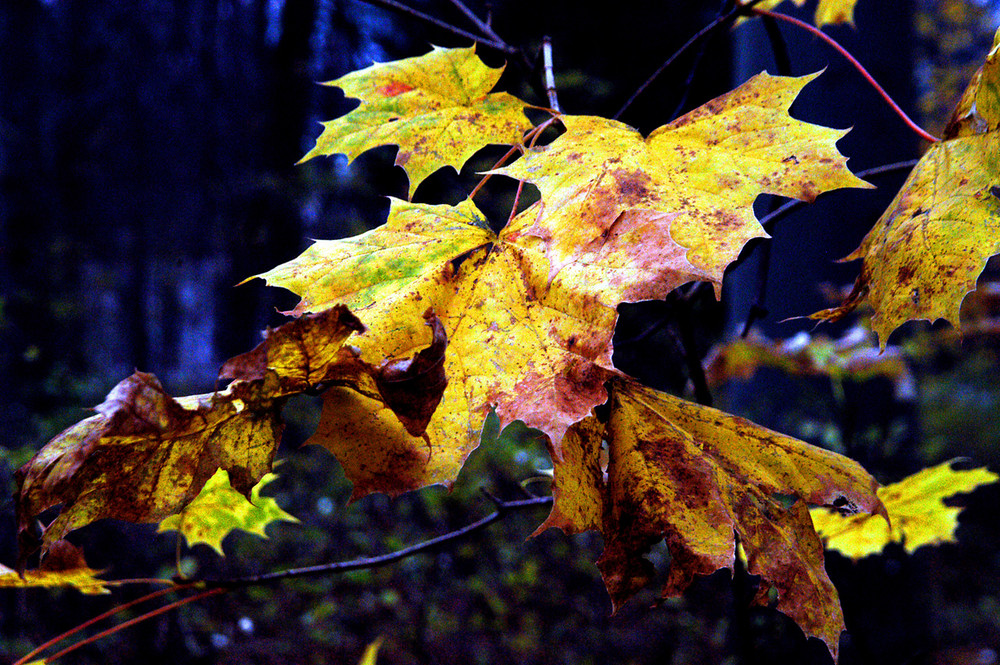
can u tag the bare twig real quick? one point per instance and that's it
(720, 21)
(550, 79)
(917, 129)
(431, 20)
(483, 26)
(502, 509)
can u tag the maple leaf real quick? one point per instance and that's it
(436, 107)
(694, 476)
(218, 510)
(917, 514)
(828, 12)
(694, 179)
(63, 566)
(146, 455)
(926, 252)
(537, 351)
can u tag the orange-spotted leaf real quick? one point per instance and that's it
(917, 513)
(926, 252)
(693, 477)
(146, 455)
(218, 510)
(437, 108)
(691, 182)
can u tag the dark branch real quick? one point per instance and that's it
(502, 509)
(479, 23)
(431, 20)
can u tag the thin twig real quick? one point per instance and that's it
(550, 79)
(503, 508)
(484, 27)
(131, 622)
(917, 129)
(432, 20)
(90, 622)
(724, 19)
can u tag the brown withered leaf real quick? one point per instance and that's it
(699, 479)
(146, 455)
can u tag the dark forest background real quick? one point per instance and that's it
(147, 165)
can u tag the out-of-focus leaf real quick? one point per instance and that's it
(918, 515)
(698, 478)
(218, 510)
(850, 357)
(63, 566)
(436, 107)
(370, 656)
(828, 12)
(928, 249)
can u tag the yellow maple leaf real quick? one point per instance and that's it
(436, 107)
(917, 513)
(698, 176)
(693, 476)
(828, 12)
(218, 510)
(926, 252)
(536, 350)
(63, 566)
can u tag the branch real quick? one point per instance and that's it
(917, 129)
(478, 22)
(502, 509)
(427, 18)
(723, 19)
(550, 79)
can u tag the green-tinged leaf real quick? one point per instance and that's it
(694, 476)
(436, 107)
(370, 656)
(918, 515)
(928, 249)
(218, 510)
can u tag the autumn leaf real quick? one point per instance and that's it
(218, 510)
(926, 252)
(691, 183)
(63, 566)
(436, 107)
(917, 513)
(694, 476)
(828, 12)
(146, 455)
(849, 358)
(536, 351)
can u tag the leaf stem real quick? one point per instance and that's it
(917, 129)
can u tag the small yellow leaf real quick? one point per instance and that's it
(436, 107)
(63, 566)
(371, 653)
(218, 510)
(828, 12)
(917, 513)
